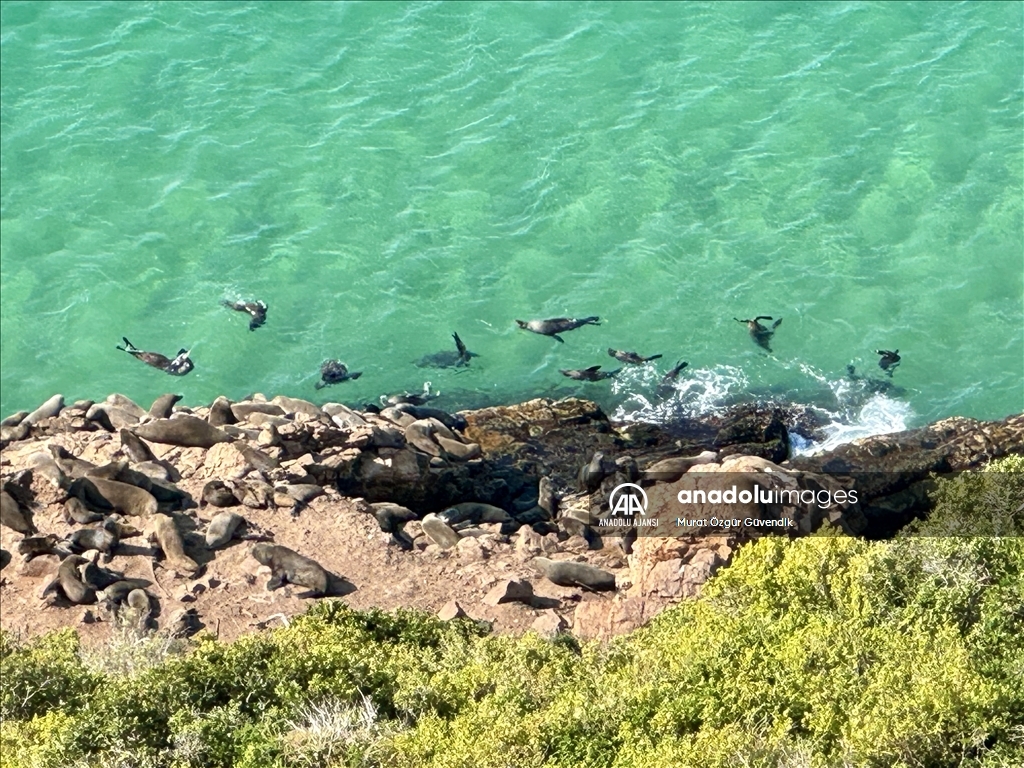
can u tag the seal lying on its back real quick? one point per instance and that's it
(889, 360)
(759, 333)
(556, 325)
(256, 309)
(289, 567)
(631, 357)
(335, 372)
(593, 373)
(179, 366)
(447, 358)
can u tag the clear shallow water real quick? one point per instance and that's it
(383, 174)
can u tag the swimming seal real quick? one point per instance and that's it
(179, 366)
(257, 311)
(889, 360)
(665, 386)
(164, 533)
(289, 567)
(447, 358)
(335, 372)
(631, 357)
(593, 373)
(569, 574)
(556, 325)
(184, 431)
(761, 335)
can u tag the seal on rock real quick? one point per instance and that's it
(163, 406)
(335, 372)
(134, 448)
(222, 529)
(631, 357)
(13, 517)
(289, 567)
(179, 366)
(70, 583)
(76, 511)
(101, 539)
(761, 335)
(105, 494)
(257, 311)
(889, 360)
(185, 431)
(218, 494)
(31, 546)
(164, 533)
(593, 373)
(569, 574)
(447, 358)
(556, 325)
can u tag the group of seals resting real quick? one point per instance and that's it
(179, 366)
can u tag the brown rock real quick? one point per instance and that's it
(451, 610)
(509, 591)
(549, 624)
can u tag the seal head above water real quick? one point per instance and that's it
(335, 372)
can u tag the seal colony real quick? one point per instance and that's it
(154, 525)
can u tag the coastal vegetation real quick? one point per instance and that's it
(822, 651)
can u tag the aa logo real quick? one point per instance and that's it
(628, 499)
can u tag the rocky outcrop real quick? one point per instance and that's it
(516, 497)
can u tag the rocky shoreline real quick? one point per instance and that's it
(112, 511)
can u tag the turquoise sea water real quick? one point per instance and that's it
(382, 174)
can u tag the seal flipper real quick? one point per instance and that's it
(776, 323)
(595, 368)
(557, 338)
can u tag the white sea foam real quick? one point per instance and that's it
(879, 416)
